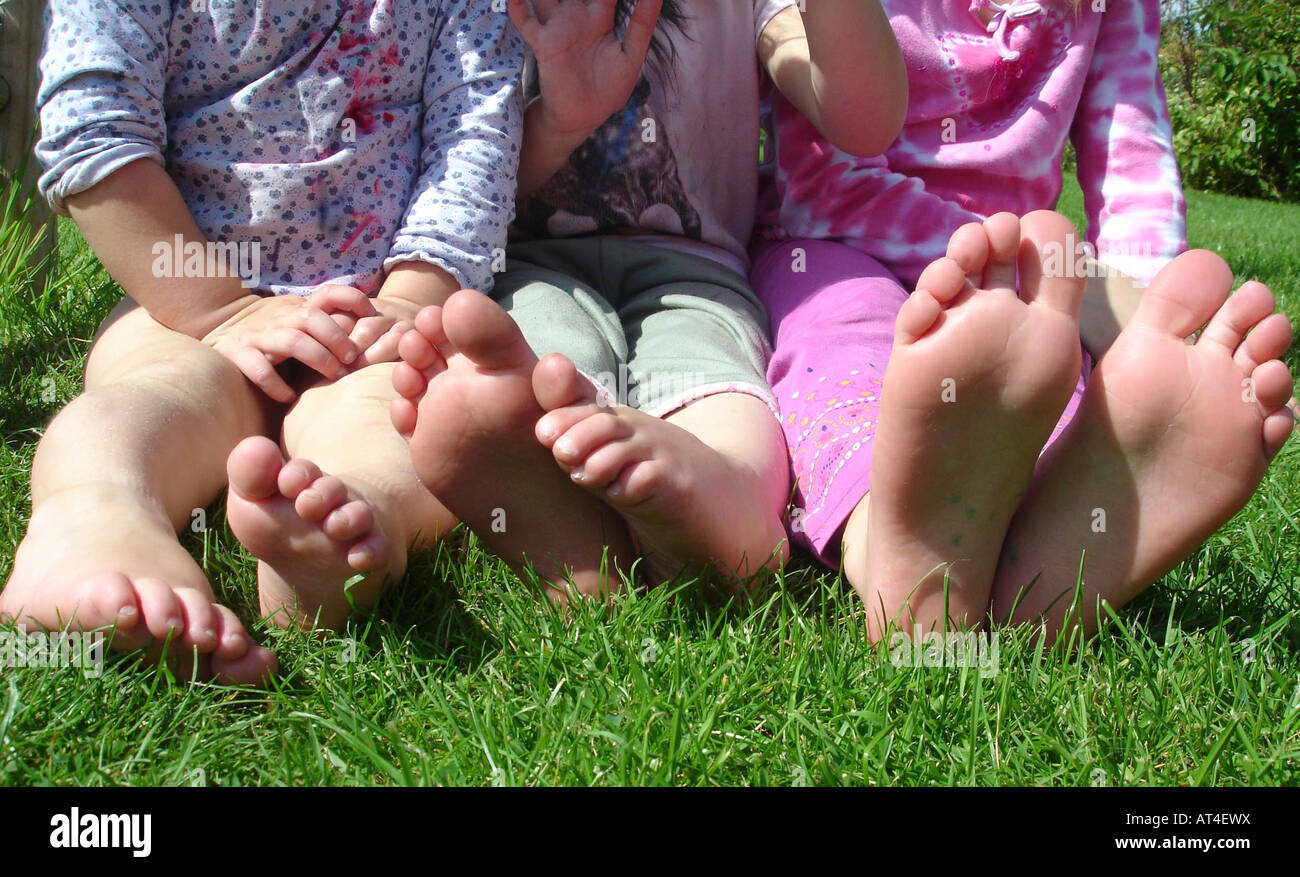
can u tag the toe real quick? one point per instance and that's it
(404, 415)
(159, 607)
(255, 667)
(369, 553)
(943, 279)
(1270, 385)
(969, 248)
(200, 619)
(349, 521)
(1269, 339)
(419, 353)
(296, 476)
(1278, 427)
(254, 468)
(1047, 261)
(557, 383)
(586, 436)
(479, 329)
(607, 467)
(554, 424)
(1243, 309)
(1185, 294)
(233, 641)
(915, 317)
(1003, 231)
(320, 499)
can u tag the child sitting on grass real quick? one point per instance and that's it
(916, 424)
(637, 185)
(361, 154)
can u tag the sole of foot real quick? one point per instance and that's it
(311, 535)
(1170, 441)
(97, 559)
(468, 409)
(977, 379)
(687, 505)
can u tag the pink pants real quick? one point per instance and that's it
(832, 310)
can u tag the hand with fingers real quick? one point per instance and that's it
(585, 72)
(376, 337)
(277, 328)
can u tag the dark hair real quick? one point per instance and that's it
(661, 56)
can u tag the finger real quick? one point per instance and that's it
(385, 348)
(318, 325)
(641, 27)
(258, 369)
(523, 19)
(370, 330)
(332, 297)
(300, 346)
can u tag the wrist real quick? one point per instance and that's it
(541, 124)
(200, 325)
(415, 284)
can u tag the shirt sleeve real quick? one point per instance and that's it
(101, 94)
(463, 200)
(1127, 169)
(765, 11)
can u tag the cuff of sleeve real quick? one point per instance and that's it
(470, 279)
(80, 173)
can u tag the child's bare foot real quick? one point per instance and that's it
(95, 558)
(685, 503)
(469, 411)
(310, 535)
(976, 381)
(1169, 442)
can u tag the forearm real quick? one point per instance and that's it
(1109, 301)
(544, 150)
(124, 218)
(840, 64)
(415, 284)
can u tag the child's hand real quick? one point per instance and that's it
(273, 329)
(376, 337)
(586, 74)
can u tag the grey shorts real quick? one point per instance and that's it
(655, 328)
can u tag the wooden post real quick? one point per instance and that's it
(21, 33)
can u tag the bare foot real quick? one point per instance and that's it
(1170, 441)
(976, 381)
(95, 558)
(310, 534)
(686, 504)
(468, 409)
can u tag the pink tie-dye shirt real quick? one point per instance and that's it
(990, 110)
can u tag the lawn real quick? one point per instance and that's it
(462, 676)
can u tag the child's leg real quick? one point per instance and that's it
(118, 472)
(977, 378)
(709, 481)
(471, 387)
(832, 310)
(1170, 441)
(347, 502)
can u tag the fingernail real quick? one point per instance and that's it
(350, 357)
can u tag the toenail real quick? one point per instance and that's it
(349, 357)
(546, 429)
(127, 612)
(614, 490)
(565, 446)
(174, 623)
(577, 475)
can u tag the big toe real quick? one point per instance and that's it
(1047, 261)
(478, 327)
(557, 383)
(1185, 294)
(253, 468)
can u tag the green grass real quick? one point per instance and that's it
(462, 676)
